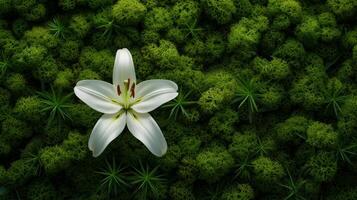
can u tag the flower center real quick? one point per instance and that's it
(127, 93)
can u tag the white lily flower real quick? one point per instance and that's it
(126, 103)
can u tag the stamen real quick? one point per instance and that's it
(118, 90)
(128, 84)
(132, 91)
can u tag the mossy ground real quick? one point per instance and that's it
(267, 106)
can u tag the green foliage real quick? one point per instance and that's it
(47, 70)
(147, 182)
(334, 97)
(19, 172)
(158, 19)
(185, 12)
(13, 131)
(29, 108)
(221, 11)
(16, 83)
(64, 79)
(69, 51)
(128, 12)
(41, 36)
(54, 159)
(98, 61)
(288, 66)
(41, 190)
(292, 129)
(240, 191)
(245, 35)
(321, 135)
(267, 170)
(178, 106)
(56, 105)
(287, 8)
(243, 145)
(79, 25)
(309, 31)
(67, 4)
(181, 191)
(213, 163)
(322, 166)
(294, 188)
(342, 8)
(113, 178)
(248, 95)
(275, 69)
(291, 51)
(222, 123)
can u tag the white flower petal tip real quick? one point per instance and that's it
(123, 67)
(105, 131)
(145, 129)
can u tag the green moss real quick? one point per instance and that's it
(189, 145)
(185, 12)
(267, 170)
(19, 172)
(69, 51)
(321, 135)
(292, 129)
(83, 115)
(342, 8)
(54, 159)
(309, 31)
(290, 8)
(243, 145)
(222, 123)
(29, 108)
(47, 71)
(79, 25)
(246, 34)
(158, 19)
(41, 36)
(128, 12)
(213, 163)
(98, 61)
(240, 191)
(221, 11)
(181, 191)
(322, 166)
(64, 79)
(41, 190)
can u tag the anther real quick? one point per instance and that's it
(118, 90)
(132, 91)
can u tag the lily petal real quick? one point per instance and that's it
(108, 127)
(145, 129)
(153, 93)
(123, 68)
(98, 95)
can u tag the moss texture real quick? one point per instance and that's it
(267, 106)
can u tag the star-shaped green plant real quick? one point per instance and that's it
(178, 105)
(146, 181)
(113, 178)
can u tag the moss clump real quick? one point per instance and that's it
(128, 12)
(220, 11)
(240, 191)
(322, 166)
(267, 170)
(321, 135)
(213, 163)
